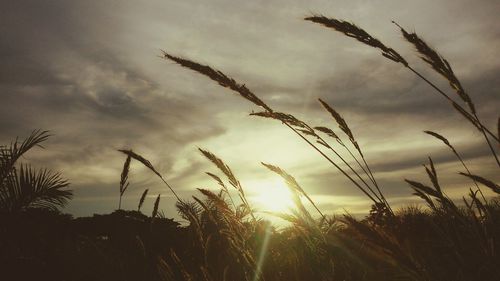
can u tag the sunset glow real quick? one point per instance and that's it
(273, 196)
(277, 140)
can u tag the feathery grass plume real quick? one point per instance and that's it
(473, 196)
(191, 211)
(150, 166)
(217, 179)
(207, 210)
(432, 58)
(443, 139)
(230, 176)
(293, 123)
(225, 81)
(347, 131)
(124, 174)
(342, 125)
(221, 166)
(285, 216)
(438, 63)
(288, 119)
(422, 194)
(292, 183)
(455, 152)
(155, 208)
(424, 188)
(228, 82)
(141, 159)
(217, 201)
(214, 223)
(493, 186)
(217, 209)
(441, 66)
(124, 180)
(220, 78)
(366, 169)
(224, 187)
(329, 132)
(429, 55)
(474, 200)
(351, 30)
(436, 192)
(303, 222)
(188, 210)
(299, 126)
(141, 201)
(431, 172)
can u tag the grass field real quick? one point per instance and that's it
(225, 239)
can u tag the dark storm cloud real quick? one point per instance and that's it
(52, 67)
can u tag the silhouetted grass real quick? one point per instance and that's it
(223, 239)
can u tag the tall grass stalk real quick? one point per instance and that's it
(150, 166)
(455, 152)
(428, 55)
(298, 127)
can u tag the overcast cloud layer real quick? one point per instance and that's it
(89, 72)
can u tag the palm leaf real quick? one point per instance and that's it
(30, 188)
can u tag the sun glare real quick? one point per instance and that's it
(273, 196)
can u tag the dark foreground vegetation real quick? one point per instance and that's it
(225, 240)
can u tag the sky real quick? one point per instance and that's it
(90, 72)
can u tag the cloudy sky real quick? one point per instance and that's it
(89, 72)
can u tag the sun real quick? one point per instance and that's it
(273, 196)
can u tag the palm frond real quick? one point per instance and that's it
(10, 154)
(29, 188)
